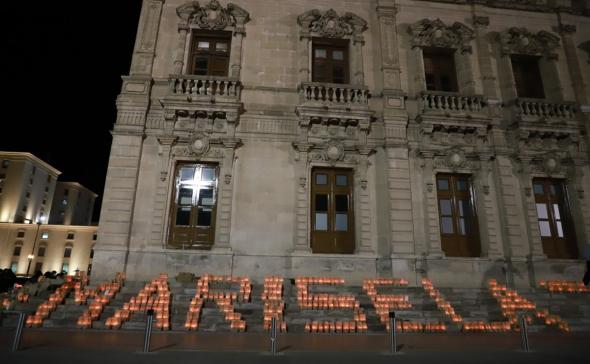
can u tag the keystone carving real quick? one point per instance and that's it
(434, 33)
(521, 41)
(212, 16)
(330, 24)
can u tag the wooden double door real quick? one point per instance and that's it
(332, 213)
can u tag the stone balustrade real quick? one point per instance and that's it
(452, 102)
(192, 85)
(539, 108)
(334, 93)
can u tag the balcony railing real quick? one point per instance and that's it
(452, 102)
(334, 93)
(536, 108)
(191, 85)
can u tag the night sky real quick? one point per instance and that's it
(65, 61)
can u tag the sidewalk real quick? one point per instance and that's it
(94, 346)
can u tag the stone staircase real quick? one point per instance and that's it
(471, 304)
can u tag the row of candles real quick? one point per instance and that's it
(337, 326)
(307, 300)
(562, 286)
(48, 306)
(441, 303)
(102, 296)
(204, 288)
(193, 314)
(385, 303)
(154, 296)
(511, 304)
(274, 306)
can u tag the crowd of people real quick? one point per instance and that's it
(8, 280)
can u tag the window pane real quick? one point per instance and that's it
(338, 74)
(185, 197)
(542, 211)
(183, 216)
(203, 45)
(538, 188)
(443, 184)
(187, 174)
(341, 203)
(44, 235)
(204, 216)
(544, 227)
(65, 267)
(559, 229)
(338, 55)
(341, 222)
(208, 174)
(320, 53)
(206, 197)
(16, 252)
(41, 251)
(556, 211)
(321, 221)
(221, 46)
(446, 225)
(67, 252)
(14, 267)
(341, 180)
(445, 207)
(321, 202)
(462, 229)
(321, 179)
(462, 185)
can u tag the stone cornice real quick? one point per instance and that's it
(545, 6)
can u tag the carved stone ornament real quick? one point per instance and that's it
(199, 144)
(434, 33)
(455, 158)
(334, 151)
(212, 16)
(330, 24)
(521, 41)
(550, 164)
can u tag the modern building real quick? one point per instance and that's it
(26, 187)
(353, 138)
(27, 248)
(73, 204)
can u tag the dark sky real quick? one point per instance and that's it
(65, 61)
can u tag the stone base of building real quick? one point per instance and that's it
(443, 271)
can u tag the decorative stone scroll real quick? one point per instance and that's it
(212, 16)
(521, 41)
(330, 24)
(435, 33)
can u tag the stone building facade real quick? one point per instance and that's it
(353, 138)
(73, 204)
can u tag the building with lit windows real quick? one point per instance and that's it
(353, 138)
(27, 242)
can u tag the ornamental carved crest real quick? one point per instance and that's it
(212, 16)
(198, 144)
(330, 24)
(521, 41)
(434, 33)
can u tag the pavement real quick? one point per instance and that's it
(100, 346)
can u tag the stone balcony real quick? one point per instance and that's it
(541, 111)
(208, 88)
(333, 94)
(452, 104)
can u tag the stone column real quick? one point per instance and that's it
(487, 210)
(386, 12)
(357, 65)
(366, 233)
(236, 53)
(573, 62)
(301, 244)
(419, 73)
(304, 60)
(145, 43)
(162, 191)
(484, 57)
(180, 48)
(431, 201)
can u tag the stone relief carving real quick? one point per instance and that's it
(330, 24)
(521, 41)
(454, 158)
(434, 33)
(199, 144)
(212, 16)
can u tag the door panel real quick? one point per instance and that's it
(193, 211)
(332, 217)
